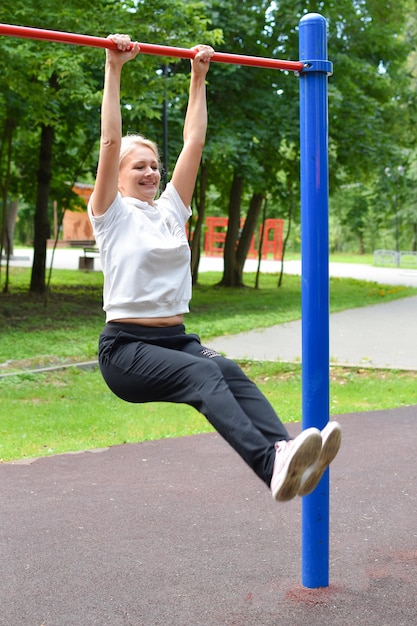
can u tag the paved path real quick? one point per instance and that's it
(383, 335)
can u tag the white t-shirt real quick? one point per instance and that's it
(145, 256)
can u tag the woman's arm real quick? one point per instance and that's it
(195, 126)
(106, 185)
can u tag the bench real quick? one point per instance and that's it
(86, 262)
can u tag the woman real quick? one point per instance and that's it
(144, 353)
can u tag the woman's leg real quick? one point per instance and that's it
(141, 372)
(252, 401)
(148, 365)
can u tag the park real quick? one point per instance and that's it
(314, 290)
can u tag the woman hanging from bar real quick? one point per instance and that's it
(145, 354)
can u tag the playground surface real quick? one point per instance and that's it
(181, 532)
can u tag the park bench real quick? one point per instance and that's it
(86, 262)
(90, 252)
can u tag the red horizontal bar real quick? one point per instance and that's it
(146, 48)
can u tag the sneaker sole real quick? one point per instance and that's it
(306, 455)
(328, 452)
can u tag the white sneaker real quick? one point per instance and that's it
(292, 460)
(331, 439)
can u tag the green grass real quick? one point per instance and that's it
(72, 409)
(349, 257)
(339, 257)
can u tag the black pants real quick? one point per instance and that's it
(146, 364)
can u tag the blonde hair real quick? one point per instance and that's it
(130, 141)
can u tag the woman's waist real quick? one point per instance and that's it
(151, 322)
(149, 334)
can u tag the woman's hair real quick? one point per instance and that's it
(130, 141)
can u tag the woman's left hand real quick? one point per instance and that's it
(201, 62)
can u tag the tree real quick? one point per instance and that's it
(248, 119)
(5, 159)
(42, 76)
(253, 115)
(53, 93)
(60, 86)
(372, 107)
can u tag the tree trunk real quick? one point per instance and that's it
(287, 235)
(201, 210)
(248, 229)
(361, 244)
(11, 217)
(261, 243)
(41, 219)
(7, 144)
(232, 273)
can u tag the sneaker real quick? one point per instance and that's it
(292, 460)
(331, 439)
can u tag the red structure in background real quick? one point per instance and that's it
(76, 224)
(216, 228)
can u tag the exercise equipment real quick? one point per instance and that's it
(313, 70)
(145, 48)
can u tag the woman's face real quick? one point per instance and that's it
(139, 174)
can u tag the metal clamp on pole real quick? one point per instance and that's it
(317, 65)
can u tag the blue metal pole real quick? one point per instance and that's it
(315, 281)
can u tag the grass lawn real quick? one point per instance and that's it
(72, 409)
